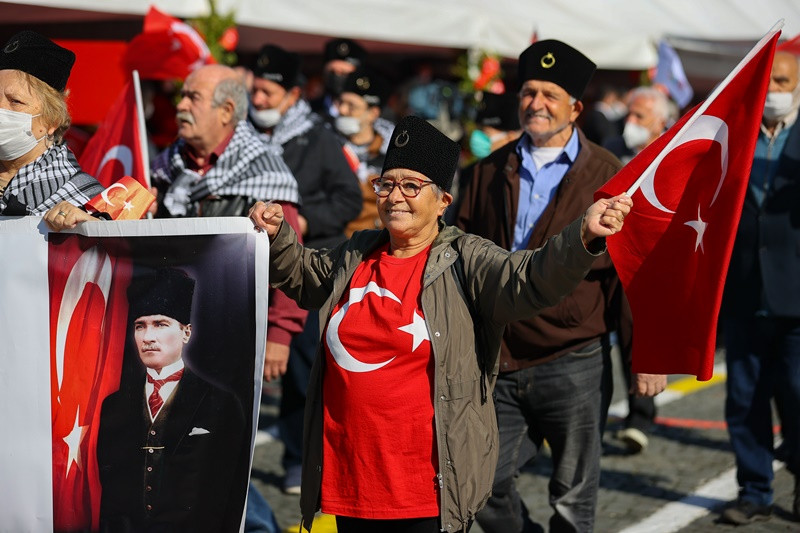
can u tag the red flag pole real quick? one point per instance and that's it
(142, 137)
(705, 105)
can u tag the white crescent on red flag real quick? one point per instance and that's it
(125, 199)
(114, 150)
(688, 188)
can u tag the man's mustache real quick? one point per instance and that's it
(185, 116)
(539, 114)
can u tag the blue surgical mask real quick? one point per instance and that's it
(480, 144)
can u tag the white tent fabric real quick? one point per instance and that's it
(623, 34)
(616, 34)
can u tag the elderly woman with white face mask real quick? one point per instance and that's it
(37, 171)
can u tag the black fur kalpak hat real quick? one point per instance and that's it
(417, 145)
(367, 84)
(556, 62)
(276, 64)
(38, 56)
(346, 50)
(167, 291)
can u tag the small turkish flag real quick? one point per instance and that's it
(124, 200)
(688, 188)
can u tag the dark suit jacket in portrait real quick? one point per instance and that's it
(187, 471)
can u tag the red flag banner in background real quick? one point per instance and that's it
(115, 149)
(167, 48)
(792, 46)
(688, 188)
(88, 312)
(125, 199)
(89, 100)
(352, 158)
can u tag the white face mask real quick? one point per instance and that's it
(635, 135)
(777, 105)
(348, 125)
(16, 135)
(266, 118)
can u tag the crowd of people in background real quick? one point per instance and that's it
(256, 132)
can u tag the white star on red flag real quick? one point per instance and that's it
(73, 442)
(417, 329)
(700, 227)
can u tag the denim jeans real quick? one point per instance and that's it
(763, 361)
(259, 517)
(559, 401)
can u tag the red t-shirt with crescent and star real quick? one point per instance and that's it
(379, 452)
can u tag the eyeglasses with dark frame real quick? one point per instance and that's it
(409, 187)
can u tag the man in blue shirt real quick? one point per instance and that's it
(552, 368)
(761, 306)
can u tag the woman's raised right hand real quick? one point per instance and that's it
(267, 216)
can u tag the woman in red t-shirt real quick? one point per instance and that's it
(400, 432)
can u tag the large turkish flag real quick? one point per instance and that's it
(688, 188)
(88, 312)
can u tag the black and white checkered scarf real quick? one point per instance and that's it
(297, 120)
(248, 167)
(52, 177)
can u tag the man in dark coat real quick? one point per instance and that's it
(171, 447)
(553, 368)
(328, 187)
(761, 306)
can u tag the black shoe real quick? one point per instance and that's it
(743, 512)
(796, 506)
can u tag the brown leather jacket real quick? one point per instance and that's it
(489, 209)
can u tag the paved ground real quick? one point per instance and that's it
(678, 484)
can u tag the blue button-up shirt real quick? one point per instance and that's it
(537, 187)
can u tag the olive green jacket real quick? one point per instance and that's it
(501, 286)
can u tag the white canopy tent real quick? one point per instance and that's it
(616, 34)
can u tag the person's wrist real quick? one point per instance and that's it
(596, 246)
